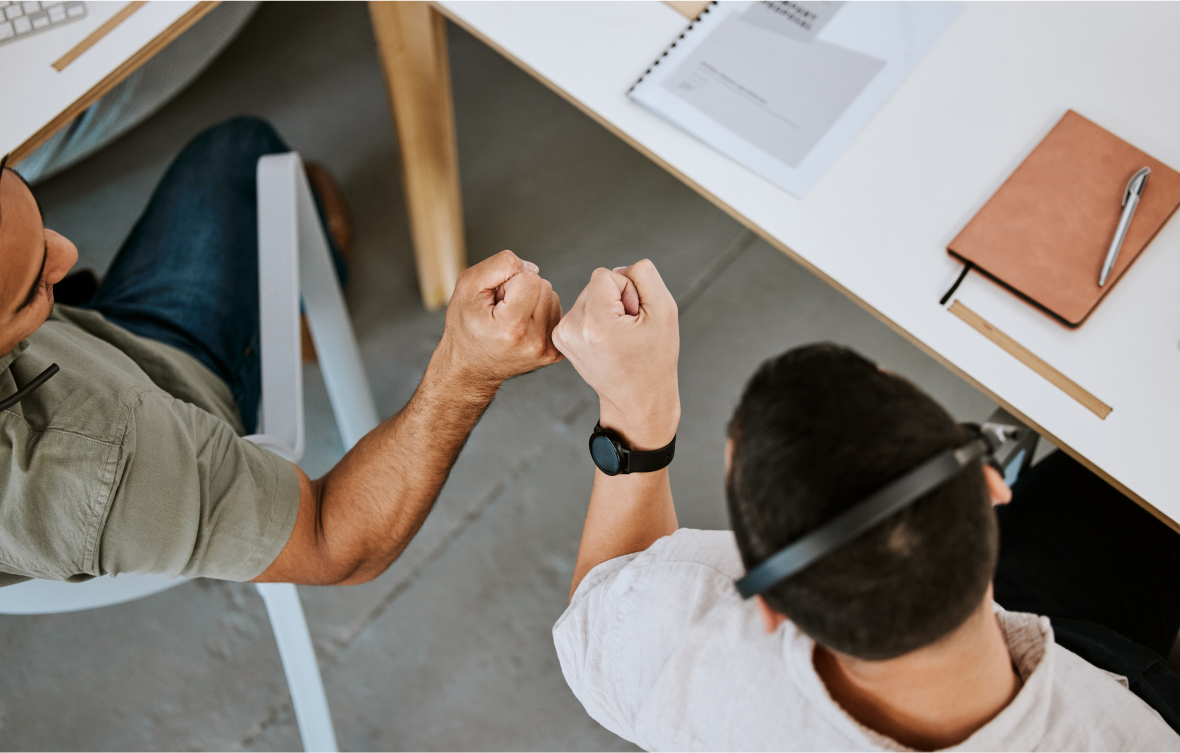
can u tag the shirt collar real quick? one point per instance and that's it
(798, 649)
(1020, 726)
(6, 361)
(1023, 722)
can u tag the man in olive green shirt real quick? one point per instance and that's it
(131, 458)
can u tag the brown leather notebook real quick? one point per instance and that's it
(1045, 233)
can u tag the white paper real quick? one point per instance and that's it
(784, 87)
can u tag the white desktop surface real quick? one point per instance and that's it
(879, 221)
(32, 93)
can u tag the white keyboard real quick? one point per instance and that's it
(20, 19)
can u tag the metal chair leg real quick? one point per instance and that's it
(299, 664)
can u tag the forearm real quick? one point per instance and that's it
(622, 336)
(355, 521)
(369, 507)
(630, 512)
(627, 514)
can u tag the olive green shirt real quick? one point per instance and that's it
(130, 460)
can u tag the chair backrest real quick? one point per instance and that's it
(53, 596)
(280, 416)
(293, 249)
(285, 202)
(292, 256)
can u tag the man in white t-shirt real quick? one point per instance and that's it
(890, 641)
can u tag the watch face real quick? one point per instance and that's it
(605, 457)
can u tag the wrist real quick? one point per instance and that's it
(649, 429)
(456, 379)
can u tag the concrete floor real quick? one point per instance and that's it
(451, 648)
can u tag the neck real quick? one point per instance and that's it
(934, 697)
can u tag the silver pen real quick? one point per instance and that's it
(1130, 202)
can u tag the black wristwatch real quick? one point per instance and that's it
(613, 457)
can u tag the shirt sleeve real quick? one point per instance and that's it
(631, 614)
(194, 498)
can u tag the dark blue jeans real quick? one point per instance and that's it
(188, 273)
(1105, 572)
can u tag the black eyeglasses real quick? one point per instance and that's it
(41, 378)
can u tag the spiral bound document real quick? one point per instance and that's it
(784, 87)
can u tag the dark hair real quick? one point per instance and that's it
(818, 429)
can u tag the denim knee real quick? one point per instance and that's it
(245, 138)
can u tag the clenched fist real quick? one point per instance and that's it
(499, 322)
(623, 337)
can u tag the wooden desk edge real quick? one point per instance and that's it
(690, 9)
(112, 79)
(461, 23)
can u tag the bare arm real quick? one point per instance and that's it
(622, 336)
(356, 520)
(627, 514)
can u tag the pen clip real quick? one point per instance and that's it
(1135, 184)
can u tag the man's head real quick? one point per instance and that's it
(818, 429)
(32, 259)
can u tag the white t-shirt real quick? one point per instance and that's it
(662, 651)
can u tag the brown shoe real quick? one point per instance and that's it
(336, 213)
(339, 222)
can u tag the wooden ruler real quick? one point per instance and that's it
(1029, 359)
(98, 34)
(144, 54)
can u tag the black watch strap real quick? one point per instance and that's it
(646, 461)
(651, 460)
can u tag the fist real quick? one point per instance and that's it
(499, 321)
(623, 337)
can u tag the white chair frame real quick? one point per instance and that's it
(293, 258)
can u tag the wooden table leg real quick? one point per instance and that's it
(412, 42)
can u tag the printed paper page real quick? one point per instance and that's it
(784, 87)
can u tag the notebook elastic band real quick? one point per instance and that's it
(966, 268)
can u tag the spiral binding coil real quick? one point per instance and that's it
(664, 54)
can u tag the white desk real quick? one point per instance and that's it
(877, 225)
(38, 100)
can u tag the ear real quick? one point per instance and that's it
(728, 455)
(770, 618)
(1000, 492)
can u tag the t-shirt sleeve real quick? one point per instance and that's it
(195, 499)
(631, 614)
